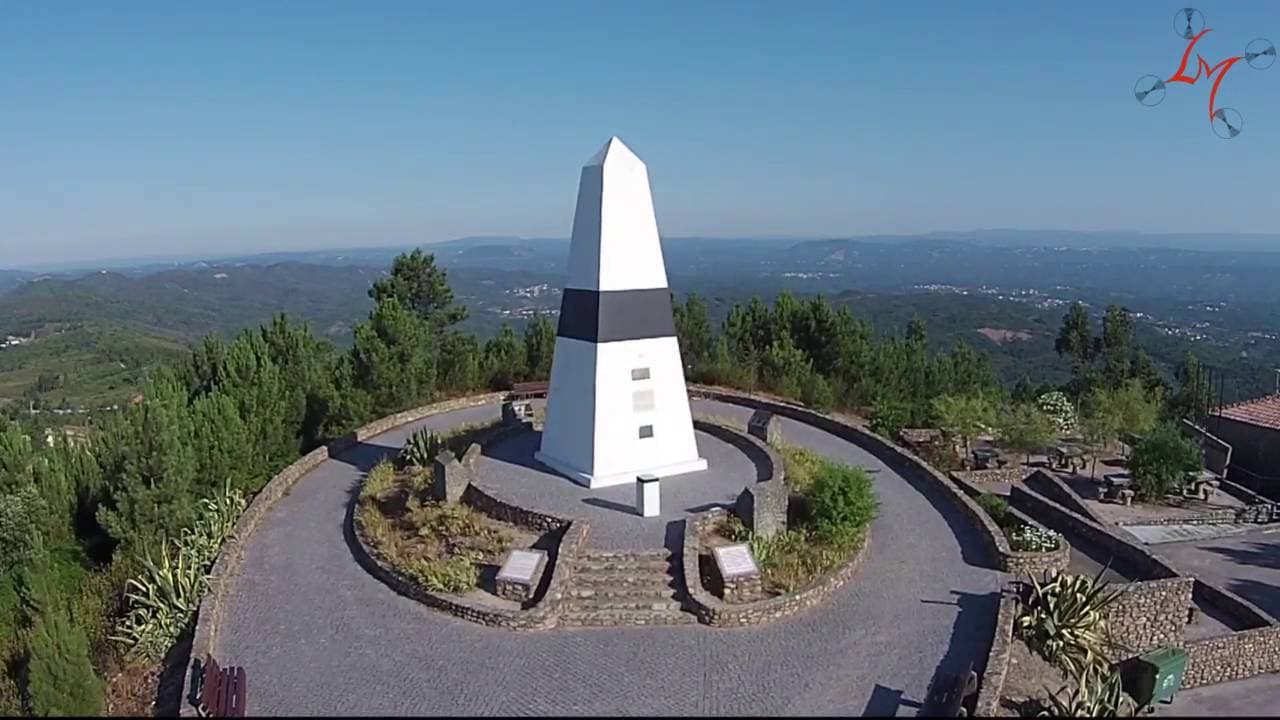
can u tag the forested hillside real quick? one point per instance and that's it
(94, 529)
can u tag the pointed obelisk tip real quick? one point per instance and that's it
(614, 148)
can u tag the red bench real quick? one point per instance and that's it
(222, 690)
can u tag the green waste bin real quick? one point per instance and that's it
(1155, 675)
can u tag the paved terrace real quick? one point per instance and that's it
(318, 635)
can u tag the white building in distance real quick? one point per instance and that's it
(617, 406)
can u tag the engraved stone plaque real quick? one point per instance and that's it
(735, 561)
(520, 566)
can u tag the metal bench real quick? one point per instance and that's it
(222, 690)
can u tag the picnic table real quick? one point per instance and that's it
(1068, 456)
(1202, 485)
(984, 456)
(1117, 486)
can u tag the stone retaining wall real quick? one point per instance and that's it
(1147, 615)
(1007, 475)
(488, 503)
(1246, 614)
(1020, 562)
(1226, 516)
(1232, 657)
(1052, 487)
(208, 615)
(541, 616)
(911, 467)
(991, 682)
(1138, 560)
(711, 610)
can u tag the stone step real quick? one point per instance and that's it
(615, 618)
(620, 578)
(635, 566)
(649, 592)
(621, 603)
(657, 554)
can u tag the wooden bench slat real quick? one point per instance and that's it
(237, 697)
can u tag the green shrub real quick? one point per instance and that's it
(1063, 620)
(888, 417)
(842, 502)
(731, 527)
(996, 507)
(817, 394)
(60, 678)
(21, 513)
(802, 466)
(1162, 461)
(454, 574)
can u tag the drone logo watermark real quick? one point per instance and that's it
(1188, 24)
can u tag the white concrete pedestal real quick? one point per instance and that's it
(648, 496)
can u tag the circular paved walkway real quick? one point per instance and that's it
(510, 472)
(319, 636)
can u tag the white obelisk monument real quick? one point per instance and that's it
(617, 405)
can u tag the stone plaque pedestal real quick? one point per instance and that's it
(739, 575)
(520, 574)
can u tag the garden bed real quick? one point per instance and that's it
(830, 509)
(444, 548)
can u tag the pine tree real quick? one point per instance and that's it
(504, 357)
(59, 675)
(539, 345)
(421, 288)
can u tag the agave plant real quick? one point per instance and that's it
(420, 449)
(1098, 693)
(161, 601)
(1063, 620)
(167, 593)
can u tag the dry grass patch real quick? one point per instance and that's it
(444, 548)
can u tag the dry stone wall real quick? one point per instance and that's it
(1138, 561)
(991, 682)
(1148, 615)
(1008, 476)
(713, 611)
(1232, 657)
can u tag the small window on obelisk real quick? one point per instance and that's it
(646, 431)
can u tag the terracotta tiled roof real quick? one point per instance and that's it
(1263, 412)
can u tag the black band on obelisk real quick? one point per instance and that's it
(615, 315)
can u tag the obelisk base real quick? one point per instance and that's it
(620, 478)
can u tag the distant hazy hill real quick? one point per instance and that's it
(10, 279)
(193, 302)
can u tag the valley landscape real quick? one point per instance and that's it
(97, 331)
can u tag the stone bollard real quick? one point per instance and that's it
(764, 425)
(449, 478)
(762, 507)
(648, 496)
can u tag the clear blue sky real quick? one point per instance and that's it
(157, 128)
